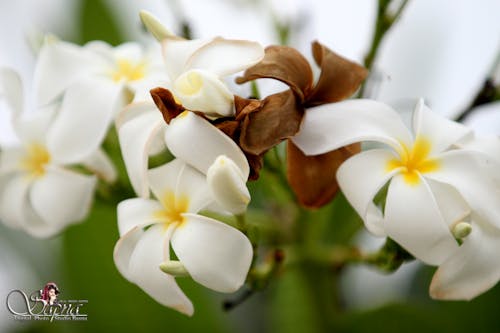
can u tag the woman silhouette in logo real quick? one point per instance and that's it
(49, 293)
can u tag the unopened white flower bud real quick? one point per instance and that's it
(174, 268)
(461, 230)
(154, 26)
(228, 185)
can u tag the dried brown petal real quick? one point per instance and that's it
(229, 127)
(278, 119)
(313, 178)
(165, 101)
(256, 163)
(244, 106)
(286, 65)
(339, 79)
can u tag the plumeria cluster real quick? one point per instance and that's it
(431, 186)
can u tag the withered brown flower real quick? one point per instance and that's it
(278, 116)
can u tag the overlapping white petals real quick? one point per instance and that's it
(331, 126)
(361, 178)
(135, 213)
(62, 196)
(224, 56)
(59, 65)
(144, 253)
(198, 143)
(136, 137)
(473, 175)
(179, 179)
(472, 269)
(215, 255)
(82, 122)
(200, 90)
(441, 132)
(413, 219)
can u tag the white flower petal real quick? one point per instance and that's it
(100, 163)
(413, 220)
(443, 133)
(34, 127)
(10, 159)
(193, 185)
(81, 125)
(136, 137)
(134, 110)
(124, 249)
(228, 185)
(178, 178)
(224, 56)
(150, 251)
(451, 204)
(198, 143)
(475, 176)
(472, 269)
(163, 179)
(14, 199)
(331, 126)
(136, 212)
(361, 177)
(61, 197)
(485, 119)
(202, 91)
(215, 254)
(177, 52)
(487, 144)
(59, 64)
(11, 89)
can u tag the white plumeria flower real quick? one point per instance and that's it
(431, 189)
(38, 192)
(196, 67)
(110, 76)
(213, 253)
(189, 137)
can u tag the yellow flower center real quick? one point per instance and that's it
(36, 159)
(414, 161)
(189, 84)
(128, 71)
(173, 208)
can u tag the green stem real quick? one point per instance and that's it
(384, 22)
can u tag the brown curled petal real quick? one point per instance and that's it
(256, 162)
(339, 79)
(165, 101)
(229, 127)
(278, 119)
(313, 178)
(244, 106)
(286, 65)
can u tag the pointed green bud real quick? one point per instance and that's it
(154, 26)
(174, 268)
(461, 230)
